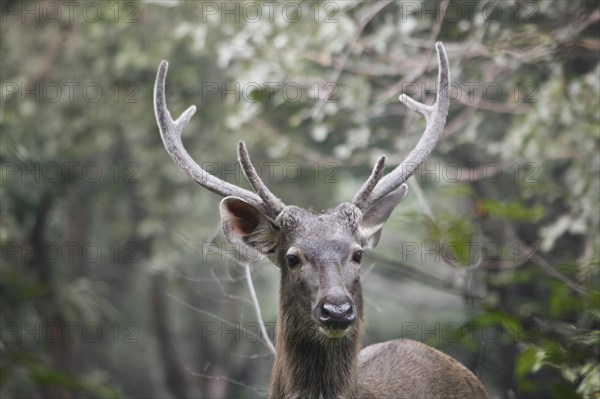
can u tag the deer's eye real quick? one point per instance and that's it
(292, 260)
(357, 257)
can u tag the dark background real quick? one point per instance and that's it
(115, 277)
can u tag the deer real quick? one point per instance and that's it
(321, 317)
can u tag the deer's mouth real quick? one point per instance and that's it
(334, 332)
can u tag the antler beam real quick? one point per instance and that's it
(170, 131)
(435, 115)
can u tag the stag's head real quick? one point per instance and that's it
(319, 254)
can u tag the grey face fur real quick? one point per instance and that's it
(319, 254)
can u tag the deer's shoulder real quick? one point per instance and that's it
(404, 368)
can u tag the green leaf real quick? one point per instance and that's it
(513, 210)
(527, 362)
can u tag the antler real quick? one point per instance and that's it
(374, 188)
(170, 131)
(435, 115)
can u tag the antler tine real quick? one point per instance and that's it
(435, 116)
(362, 196)
(170, 131)
(270, 200)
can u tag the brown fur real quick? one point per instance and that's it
(406, 369)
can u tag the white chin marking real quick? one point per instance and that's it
(334, 333)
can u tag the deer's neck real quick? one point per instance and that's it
(313, 368)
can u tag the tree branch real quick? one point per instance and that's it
(267, 340)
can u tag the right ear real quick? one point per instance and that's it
(247, 229)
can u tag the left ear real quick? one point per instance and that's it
(375, 216)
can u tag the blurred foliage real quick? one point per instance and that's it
(111, 284)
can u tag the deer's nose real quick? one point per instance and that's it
(336, 311)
